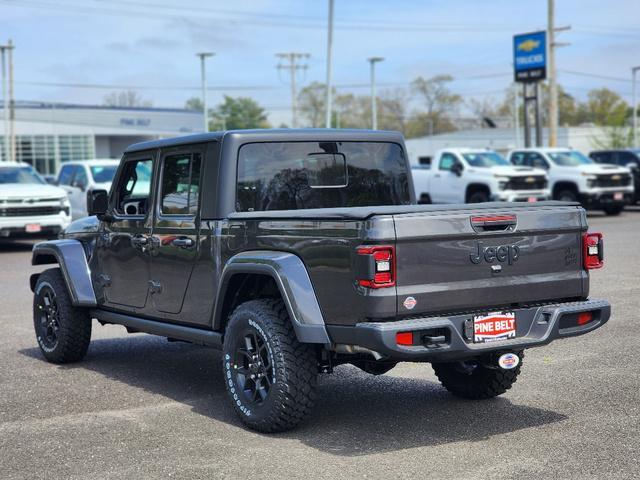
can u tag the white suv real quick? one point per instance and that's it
(76, 178)
(575, 177)
(28, 205)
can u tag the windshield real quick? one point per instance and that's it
(485, 159)
(25, 175)
(569, 159)
(104, 173)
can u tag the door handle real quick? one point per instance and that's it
(183, 242)
(139, 240)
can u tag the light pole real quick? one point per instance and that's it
(374, 107)
(634, 71)
(327, 122)
(203, 73)
(5, 100)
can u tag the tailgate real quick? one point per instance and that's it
(461, 260)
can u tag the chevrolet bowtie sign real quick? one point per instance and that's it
(530, 56)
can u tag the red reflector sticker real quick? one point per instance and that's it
(404, 338)
(409, 303)
(494, 326)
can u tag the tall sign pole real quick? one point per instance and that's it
(530, 68)
(553, 84)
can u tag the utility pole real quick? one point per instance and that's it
(12, 106)
(293, 65)
(5, 101)
(203, 73)
(327, 122)
(553, 80)
(634, 72)
(374, 106)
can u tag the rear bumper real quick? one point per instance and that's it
(535, 327)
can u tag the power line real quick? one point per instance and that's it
(294, 64)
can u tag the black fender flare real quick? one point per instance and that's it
(71, 257)
(294, 284)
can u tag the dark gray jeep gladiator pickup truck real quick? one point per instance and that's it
(294, 251)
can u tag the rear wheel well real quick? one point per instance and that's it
(476, 187)
(243, 287)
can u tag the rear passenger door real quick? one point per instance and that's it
(175, 234)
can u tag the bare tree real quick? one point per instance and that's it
(125, 98)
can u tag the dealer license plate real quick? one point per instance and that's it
(494, 326)
(618, 196)
(32, 228)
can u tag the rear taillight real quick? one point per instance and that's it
(379, 269)
(593, 250)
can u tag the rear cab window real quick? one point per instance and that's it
(303, 175)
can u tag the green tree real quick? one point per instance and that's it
(237, 114)
(194, 103)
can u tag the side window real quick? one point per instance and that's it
(180, 184)
(625, 158)
(446, 161)
(519, 158)
(536, 160)
(66, 174)
(134, 188)
(80, 179)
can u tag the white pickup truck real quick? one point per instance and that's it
(464, 175)
(29, 207)
(575, 177)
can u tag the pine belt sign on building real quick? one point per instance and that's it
(530, 56)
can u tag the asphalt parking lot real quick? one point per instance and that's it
(141, 407)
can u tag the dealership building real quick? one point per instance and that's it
(49, 134)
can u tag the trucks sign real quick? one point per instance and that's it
(530, 56)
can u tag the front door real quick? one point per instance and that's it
(124, 247)
(446, 185)
(176, 243)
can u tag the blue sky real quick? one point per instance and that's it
(152, 43)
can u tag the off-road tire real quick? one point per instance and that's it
(479, 196)
(480, 383)
(295, 370)
(613, 210)
(73, 325)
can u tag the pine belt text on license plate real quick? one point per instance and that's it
(494, 326)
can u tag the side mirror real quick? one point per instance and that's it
(457, 169)
(98, 203)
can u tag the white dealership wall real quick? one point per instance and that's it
(49, 134)
(502, 140)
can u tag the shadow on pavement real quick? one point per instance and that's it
(16, 245)
(356, 414)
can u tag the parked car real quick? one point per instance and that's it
(629, 158)
(464, 175)
(76, 178)
(29, 207)
(574, 177)
(294, 251)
